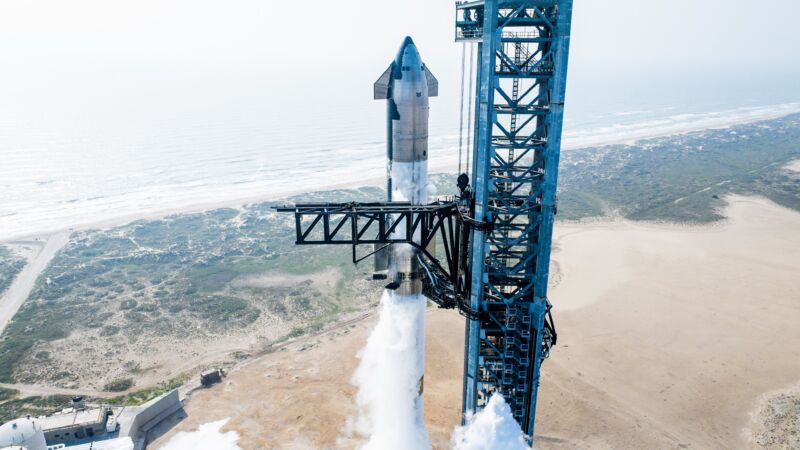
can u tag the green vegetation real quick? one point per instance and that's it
(119, 385)
(240, 355)
(12, 407)
(145, 395)
(34, 406)
(23, 337)
(8, 394)
(10, 266)
(174, 278)
(682, 178)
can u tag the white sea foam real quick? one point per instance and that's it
(208, 436)
(793, 166)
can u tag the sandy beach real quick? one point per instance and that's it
(669, 336)
(123, 218)
(443, 160)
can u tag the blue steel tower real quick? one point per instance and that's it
(521, 77)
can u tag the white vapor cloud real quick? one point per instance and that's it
(207, 437)
(491, 428)
(388, 377)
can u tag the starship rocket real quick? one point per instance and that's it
(406, 86)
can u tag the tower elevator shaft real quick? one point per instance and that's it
(521, 77)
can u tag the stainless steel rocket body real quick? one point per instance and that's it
(406, 85)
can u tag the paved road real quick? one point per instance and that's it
(19, 290)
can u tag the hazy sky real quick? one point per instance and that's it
(165, 57)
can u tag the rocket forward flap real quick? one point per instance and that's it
(381, 87)
(433, 83)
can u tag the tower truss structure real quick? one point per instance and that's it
(521, 76)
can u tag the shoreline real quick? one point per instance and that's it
(124, 219)
(441, 165)
(691, 123)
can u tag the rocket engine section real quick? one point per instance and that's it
(406, 86)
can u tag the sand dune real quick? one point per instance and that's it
(669, 336)
(678, 352)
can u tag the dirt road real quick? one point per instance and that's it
(19, 290)
(29, 390)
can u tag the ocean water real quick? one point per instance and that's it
(111, 111)
(60, 170)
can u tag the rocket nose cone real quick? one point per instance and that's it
(408, 46)
(408, 54)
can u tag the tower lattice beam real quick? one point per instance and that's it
(523, 48)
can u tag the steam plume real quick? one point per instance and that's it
(389, 377)
(492, 428)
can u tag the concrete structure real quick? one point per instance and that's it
(123, 443)
(72, 425)
(23, 433)
(136, 421)
(94, 428)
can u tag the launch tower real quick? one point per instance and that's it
(495, 237)
(522, 48)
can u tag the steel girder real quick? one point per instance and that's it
(523, 47)
(376, 224)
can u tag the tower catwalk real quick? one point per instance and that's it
(522, 49)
